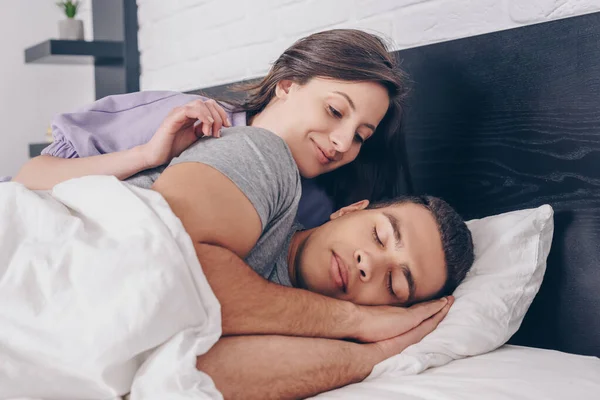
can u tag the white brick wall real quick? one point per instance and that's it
(31, 94)
(190, 44)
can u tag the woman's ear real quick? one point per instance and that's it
(359, 205)
(282, 90)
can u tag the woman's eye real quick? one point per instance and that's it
(358, 138)
(334, 112)
(376, 237)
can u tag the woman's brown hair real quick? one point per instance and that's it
(346, 55)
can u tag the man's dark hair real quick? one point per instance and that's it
(457, 241)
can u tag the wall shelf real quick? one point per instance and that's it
(35, 149)
(113, 52)
(98, 52)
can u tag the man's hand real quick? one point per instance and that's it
(378, 323)
(391, 347)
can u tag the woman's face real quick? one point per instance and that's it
(326, 121)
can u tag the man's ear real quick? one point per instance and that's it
(359, 205)
(283, 87)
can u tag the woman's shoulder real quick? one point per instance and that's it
(255, 155)
(258, 162)
(248, 146)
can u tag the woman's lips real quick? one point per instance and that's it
(323, 159)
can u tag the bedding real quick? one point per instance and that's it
(96, 254)
(101, 293)
(508, 373)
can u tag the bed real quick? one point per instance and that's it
(509, 373)
(506, 121)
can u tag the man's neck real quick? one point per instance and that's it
(294, 252)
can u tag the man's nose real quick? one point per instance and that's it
(364, 264)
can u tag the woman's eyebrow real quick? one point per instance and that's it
(347, 98)
(353, 107)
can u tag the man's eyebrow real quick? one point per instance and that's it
(353, 107)
(412, 287)
(395, 227)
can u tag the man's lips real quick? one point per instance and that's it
(340, 272)
(343, 271)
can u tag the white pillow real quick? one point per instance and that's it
(510, 260)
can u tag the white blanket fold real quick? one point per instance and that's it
(101, 293)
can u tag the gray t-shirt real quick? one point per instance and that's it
(280, 274)
(261, 165)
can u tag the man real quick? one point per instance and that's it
(400, 252)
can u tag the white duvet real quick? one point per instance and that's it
(101, 294)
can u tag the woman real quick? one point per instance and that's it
(329, 99)
(347, 55)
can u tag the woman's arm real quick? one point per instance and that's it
(182, 127)
(43, 172)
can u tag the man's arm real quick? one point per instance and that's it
(225, 226)
(251, 305)
(280, 367)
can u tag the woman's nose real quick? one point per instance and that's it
(341, 139)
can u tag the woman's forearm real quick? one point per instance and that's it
(43, 172)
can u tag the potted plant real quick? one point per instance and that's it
(70, 28)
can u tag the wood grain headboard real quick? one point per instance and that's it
(511, 120)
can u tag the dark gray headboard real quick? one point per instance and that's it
(511, 120)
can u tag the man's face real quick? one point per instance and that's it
(391, 255)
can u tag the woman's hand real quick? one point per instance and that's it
(181, 128)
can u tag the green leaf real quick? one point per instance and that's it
(70, 7)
